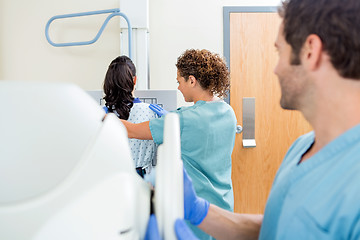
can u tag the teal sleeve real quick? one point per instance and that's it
(157, 129)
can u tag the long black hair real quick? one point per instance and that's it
(118, 86)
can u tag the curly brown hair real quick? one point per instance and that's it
(208, 68)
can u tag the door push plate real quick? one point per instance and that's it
(249, 122)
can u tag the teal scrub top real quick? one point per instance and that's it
(320, 197)
(207, 131)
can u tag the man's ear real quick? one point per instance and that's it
(134, 80)
(312, 52)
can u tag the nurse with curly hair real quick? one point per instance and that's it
(207, 129)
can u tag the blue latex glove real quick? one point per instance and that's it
(158, 110)
(105, 109)
(150, 177)
(182, 231)
(195, 208)
(152, 230)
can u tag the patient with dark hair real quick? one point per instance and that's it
(119, 85)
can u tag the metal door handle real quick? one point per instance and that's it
(249, 122)
(239, 129)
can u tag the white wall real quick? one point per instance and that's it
(25, 54)
(182, 24)
(175, 25)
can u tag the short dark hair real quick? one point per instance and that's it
(118, 86)
(336, 22)
(208, 68)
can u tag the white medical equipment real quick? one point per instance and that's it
(65, 173)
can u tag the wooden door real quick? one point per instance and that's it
(252, 60)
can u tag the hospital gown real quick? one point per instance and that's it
(320, 197)
(143, 151)
(207, 131)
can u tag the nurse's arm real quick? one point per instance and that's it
(138, 130)
(223, 224)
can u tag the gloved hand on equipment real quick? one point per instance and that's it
(158, 110)
(152, 230)
(105, 109)
(182, 231)
(195, 208)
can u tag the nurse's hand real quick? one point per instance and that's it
(183, 232)
(158, 110)
(105, 109)
(152, 230)
(195, 208)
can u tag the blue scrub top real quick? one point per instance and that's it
(320, 197)
(207, 131)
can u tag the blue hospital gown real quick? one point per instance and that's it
(207, 131)
(320, 197)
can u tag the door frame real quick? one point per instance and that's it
(227, 10)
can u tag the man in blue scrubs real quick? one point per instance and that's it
(316, 192)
